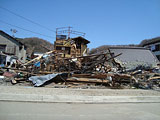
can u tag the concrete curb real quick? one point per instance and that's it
(78, 99)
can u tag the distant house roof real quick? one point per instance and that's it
(81, 39)
(11, 38)
(150, 41)
(127, 47)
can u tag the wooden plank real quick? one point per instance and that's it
(156, 77)
(98, 76)
(86, 80)
(37, 58)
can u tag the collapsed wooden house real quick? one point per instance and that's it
(68, 65)
(70, 47)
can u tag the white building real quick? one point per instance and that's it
(153, 45)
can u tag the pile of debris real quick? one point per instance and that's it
(101, 69)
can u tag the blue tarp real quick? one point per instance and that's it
(37, 64)
(2, 65)
(40, 80)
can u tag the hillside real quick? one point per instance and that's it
(142, 44)
(35, 44)
(105, 47)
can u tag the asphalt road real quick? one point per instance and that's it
(63, 111)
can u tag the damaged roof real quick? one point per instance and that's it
(81, 39)
(133, 56)
(11, 38)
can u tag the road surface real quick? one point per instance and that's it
(64, 111)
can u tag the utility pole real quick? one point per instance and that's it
(56, 33)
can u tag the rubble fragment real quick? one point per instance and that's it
(69, 65)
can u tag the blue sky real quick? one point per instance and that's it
(105, 22)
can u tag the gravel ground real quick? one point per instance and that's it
(84, 92)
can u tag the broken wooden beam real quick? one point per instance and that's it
(86, 80)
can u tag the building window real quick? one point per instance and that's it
(157, 47)
(68, 49)
(158, 57)
(63, 48)
(58, 48)
(78, 45)
(3, 48)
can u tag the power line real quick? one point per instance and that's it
(27, 19)
(26, 29)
